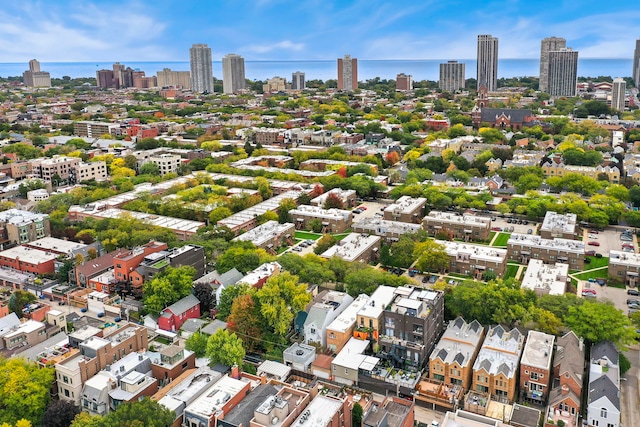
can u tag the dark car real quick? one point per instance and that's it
(590, 253)
(425, 279)
(593, 243)
(633, 292)
(631, 301)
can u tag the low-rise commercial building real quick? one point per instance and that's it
(535, 367)
(356, 248)
(456, 226)
(563, 226)
(474, 260)
(390, 231)
(523, 247)
(545, 278)
(333, 220)
(406, 209)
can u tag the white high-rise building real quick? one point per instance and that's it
(233, 80)
(636, 64)
(452, 76)
(297, 81)
(547, 45)
(618, 91)
(487, 71)
(201, 68)
(563, 72)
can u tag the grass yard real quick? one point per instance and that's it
(502, 239)
(341, 236)
(305, 235)
(493, 233)
(596, 262)
(601, 272)
(511, 271)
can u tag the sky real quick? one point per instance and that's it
(163, 30)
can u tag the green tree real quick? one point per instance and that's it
(221, 212)
(401, 253)
(18, 300)
(60, 413)
(224, 347)
(138, 413)
(24, 390)
(284, 207)
(246, 321)
(263, 187)
(431, 256)
(624, 364)
(243, 258)
(324, 243)
(150, 168)
(227, 296)
(367, 279)
(168, 287)
(280, 299)
(596, 322)
(315, 225)
(356, 415)
(197, 343)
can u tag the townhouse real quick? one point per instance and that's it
(455, 226)
(523, 247)
(390, 231)
(333, 220)
(535, 367)
(356, 248)
(406, 209)
(474, 260)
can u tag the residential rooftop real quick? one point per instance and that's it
(318, 212)
(352, 247)
(406, 205)
(454, 218)
(546, 278)
(500, 352)
(475, 252)
(348, 317)
(538, 351)
(265, 232)
(382, 227)
(567, 245)
(458, 342)
(559, 223)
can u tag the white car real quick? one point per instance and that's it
(434, 423)
(593, 236)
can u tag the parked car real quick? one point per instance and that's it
(601, 282)
(588, 295)
(117, 319)
(425, 279)
(598, 255)
(493, 218)
(587, 260)
(297, 249)
(627, 245)
(433, 279)
(593, 243)
(593, 231)
(496, 228)
(633, 292)
(589, 291)
(633, 301)
(590, 253)
(593, 236)
(634, 306)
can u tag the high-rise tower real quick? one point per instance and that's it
(547, 45)
(347, 73)
(451, 76)
(618, 91)
(487, 72)
(563, 72)
(297, 81)
(201, 68)
(636, 64)
(233, 79)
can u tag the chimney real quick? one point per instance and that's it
(235, 372)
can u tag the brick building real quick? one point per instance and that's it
(333, 220)
(474, 260)
(523, 247)
(406, 209)
(536, 369)
(456, 226)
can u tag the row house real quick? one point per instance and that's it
(412, 323)
(603, 400)
(390, 231)
(536, 367)
(551, 169)
(327, 164)
(356, 247)
(333, 220)
(341, 329)
(561, 226)
(495, 370)
(455, 226)
(19, 226)
(270, 236)
(474, 260)
(406, 209)
(523, 247)
(565, 397)
(624, 266)
(325, 309)
(347, 197)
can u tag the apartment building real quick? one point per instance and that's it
(62, 166)
(327, 306)
(562, 226)
(545, 278)
(219, 399)
(412, 324)
(356, 248)
(474, 260)
(88, 171)
(270, 236)
(495, 370)
(23, 226)
(325, 410)
(392, 412)
(456, 226)
(347, 197)
(126, 263)
(603, 400)
(28, 260)
(94, 129)
(25, 334)
(156, 262)
(167, 163)
(624, 266)
(552, 168)
(333, 220)
(94, 354)
(451, 361)
(536, 369)
(390, 231)
(406, 209)
(565, 397)
(341, 329)
(523, 247)
(370, 320)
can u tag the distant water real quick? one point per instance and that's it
(326, 69)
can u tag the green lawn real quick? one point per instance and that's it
(595, 274)
(305, 235)
(341, 236)
(596, 262)
(502, 239)
(493, 233)
(511, 271)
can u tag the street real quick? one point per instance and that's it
(630, 399)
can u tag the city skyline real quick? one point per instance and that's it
(90, 31)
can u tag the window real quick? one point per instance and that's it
(534, 375)
(603, 413)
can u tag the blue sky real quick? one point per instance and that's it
(163, 30)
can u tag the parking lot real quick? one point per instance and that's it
(606, 240)
(617, 296)
(507, 223)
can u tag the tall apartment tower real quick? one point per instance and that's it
(563, 72)
(636, 64)
(297, 81)
(547, 45)
(167, 78)
(347, 73)
(487, 73)
(404, 82)
(33, 77)
(618, 94)
(201, 68)
(451, 76)
(34, 66)
(233, 80)
(104, 79)
(118, 75)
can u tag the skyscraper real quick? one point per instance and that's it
(618, 91)
(347, 73)
(547, 45)
(636, 64)
(33, 77)
(201, 68)
(452, 76)
(297, 81)
(233, 79)
(34, 66)
(563, 72)
(487, 73)
(104, 79)
(404, 82)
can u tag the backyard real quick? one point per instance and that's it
(502, 239)
(511, 271)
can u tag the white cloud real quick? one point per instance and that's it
(282, 45)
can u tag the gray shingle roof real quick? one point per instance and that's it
(183, 305)
(516, 115)
(605, 350)
(604, 387)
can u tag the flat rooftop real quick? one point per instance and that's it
(474, 252)
(453, 218)
(406, 205)
(265, 232)
(627, 259)
(249, 214)
(348, 317)
(318, 212)
(567, 245)
(551, 279)
(352, 247)
(319, 412)
(20, 217)
(29, 255)
(382, 227)
(538, 351)
(378, 301)
(216, 396)
(559, 223)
